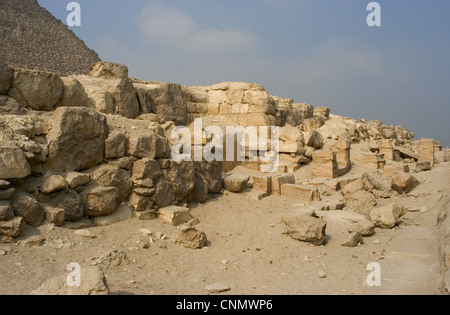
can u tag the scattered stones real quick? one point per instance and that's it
(307, 229)
(189, 237)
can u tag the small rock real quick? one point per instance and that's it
(7, 194)
(224, 262)
(376, 242)
(307, 259)
(175, 215)
(235, 182)
(353, 239)
(158, 235)
(217, 288)
(84, 233)
(424, 209)
(322, 275)
(189, 237)
(146, 232)
(53, 183)
(145, 244)
(34, 241)
(2, 252)
(6, 240)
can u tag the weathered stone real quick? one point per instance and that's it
(4, 184)
(52, 184)
(140, 203)
(163, 195)
(144, 183)
(342, 149)
(175, 215)
(146, 169)
(145, 192)
(93, 282)
(6, 211)
(146, 215)
(55, 215)
(306, 229)
(387, 149)
(360, 201)
(316, 141)
(6, 76)
(11, 228)
(353, 240)
(70, 201)
(77, 139)
(29, 209)
(376, 161)
(353, 187)
(100, 99)
(353, 222)
(217, 288)
(426, 150)
(119, 85)
(7, 193)
(423, 166)
(100, 201)
(116, 145)
(181, 177)
(166, 100)
(73, 94)
(377, 181)
(386, 217)
(322, 111)
(13, 162)
(235, 182)
(75, 179)
(263, 184)
(325, 165)
(9, 106)
(189, 237)
(404, 183)
(390, 170)
(148, 145)
(110, 176)
(299, 192)
(36, 90)
(279, 180)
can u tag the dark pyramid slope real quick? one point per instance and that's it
(32, 38)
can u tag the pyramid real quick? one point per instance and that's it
(32, 38)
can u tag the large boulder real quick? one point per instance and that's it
(36, 90)
(29, 209)
(100, 201)
(92, 282)
(181, 177)
(13, 162)
(76, 140)
(116, 145)
(386, 217)
(306, 229)
(164, 99)
(6, 76)
(74, 94)
(404, 183)
(114, 78)
(148, 145)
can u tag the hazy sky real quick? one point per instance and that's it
(316, 51)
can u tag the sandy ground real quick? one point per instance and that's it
(246, 250)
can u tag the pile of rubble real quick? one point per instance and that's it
(88, 146)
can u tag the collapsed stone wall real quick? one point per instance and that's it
(92, 145)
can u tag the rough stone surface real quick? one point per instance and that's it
(13, 162)
(189, 237)
(36, 90)
(235, 182)
(55, 215)
(11, 228)
(93, 282)
(100, 201)
(360, 201)
(29, 209)
(70, 201)
(6, 76)
(7, 193)
(299, 192)
(353, 240)
(116, 145)
(175, 215)
(75, 179)
(9, 106)
(77, 139)
(386, 217)
(52, 184)
(404, 183)
(148, 145)
(377, 181)
(307, 229)
(325, 164)
(6, 211)
(74, 94)
(110, 176)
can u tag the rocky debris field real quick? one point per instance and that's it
(87, 179)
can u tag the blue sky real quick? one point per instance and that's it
(316, 51)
